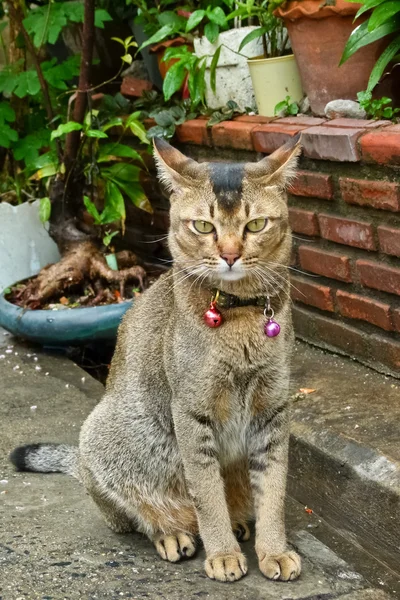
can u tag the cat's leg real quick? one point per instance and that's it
(268, 457)
(238, 497)
(174, 547)
(114, 515)
(196, 440)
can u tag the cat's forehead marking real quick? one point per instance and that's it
(227, 184)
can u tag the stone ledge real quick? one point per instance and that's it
(339, 140)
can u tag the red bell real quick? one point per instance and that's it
(213, 317)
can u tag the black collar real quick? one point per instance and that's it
(224, 300)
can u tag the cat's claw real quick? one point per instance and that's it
(283, 567)
(175, 547)
(226, 567)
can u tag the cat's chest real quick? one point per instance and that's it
(231, 438)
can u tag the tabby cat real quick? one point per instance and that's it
(191, 436)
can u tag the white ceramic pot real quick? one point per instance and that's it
(233, 81)
(25, 245)
(273, 80)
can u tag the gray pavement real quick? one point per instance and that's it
(54, 545)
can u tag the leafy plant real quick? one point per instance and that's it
(272, 32)
(377, 108)
(287, 106)
(226, 113)
(206, 18)
(383, 22)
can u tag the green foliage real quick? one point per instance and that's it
(383, 22)
(226, 113)
(377, 109)
(44, 209)
(7, 134)
(45, 23)
(287, 106)
(271, 28)
(188, 66)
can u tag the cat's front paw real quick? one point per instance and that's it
(175, 547)
(282, 567)
(226, 567)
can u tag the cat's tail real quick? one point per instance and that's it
(47, 458)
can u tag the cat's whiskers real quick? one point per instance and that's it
(286, 280)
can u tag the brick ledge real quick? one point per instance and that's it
(341, 140)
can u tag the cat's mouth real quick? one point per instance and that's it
(233, 272)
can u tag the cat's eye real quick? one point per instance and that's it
(256, 225)
(203, 226)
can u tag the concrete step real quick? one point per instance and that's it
(345, 450)
(53, 543)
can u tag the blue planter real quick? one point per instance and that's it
(63, 327)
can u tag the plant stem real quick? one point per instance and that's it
(73, 138)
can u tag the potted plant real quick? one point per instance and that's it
(383, 23)
(274, 74)
(63, 147)
(318, 33)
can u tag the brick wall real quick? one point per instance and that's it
(345, 217)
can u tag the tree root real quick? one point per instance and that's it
(82, 263)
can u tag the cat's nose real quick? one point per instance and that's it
(230, 257)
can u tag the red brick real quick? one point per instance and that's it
(313, 185)
(381, 146)
(396, 319)
(354, 306)
(313, 294)
(267, 138)
(133, 87)
(377, 194)
(389, 240)
(233, 134)
(194, 131)
(303, 221)
(347, 231)
(306, 121)
(364, 123)
(256, 119)
(378, 276)
(331, 143)
(325, 263)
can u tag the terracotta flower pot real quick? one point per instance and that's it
(318, 37)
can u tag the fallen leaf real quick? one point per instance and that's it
(309, 511)
(307, 390)
(64, 300)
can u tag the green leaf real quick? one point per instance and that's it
(127, 58)
(383, 13)
(138, 129)
(44, 160)
(7, 135)
(164, 118)
(211, 31)
(367, 5)
(92, 210)
(293, 108)
(65, 128)
(122, 172)
(7, 113)
(360, 37)
(213, 69)
(45, 23)
(28, 84)
(174, 79)
(161, 35)
(101, 16)
(57, 74)
(109, 152)
(217, 16)
(136, 195)
(280, 106)
(253, 35)
(114, 209)
(46, 171)
(113, 123)
(107, 238)
(382, 62)
(27, 148)
(195, 18)
(95, 133)
(44, 209)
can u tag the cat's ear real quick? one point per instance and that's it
(175, 170)
(279, 168)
